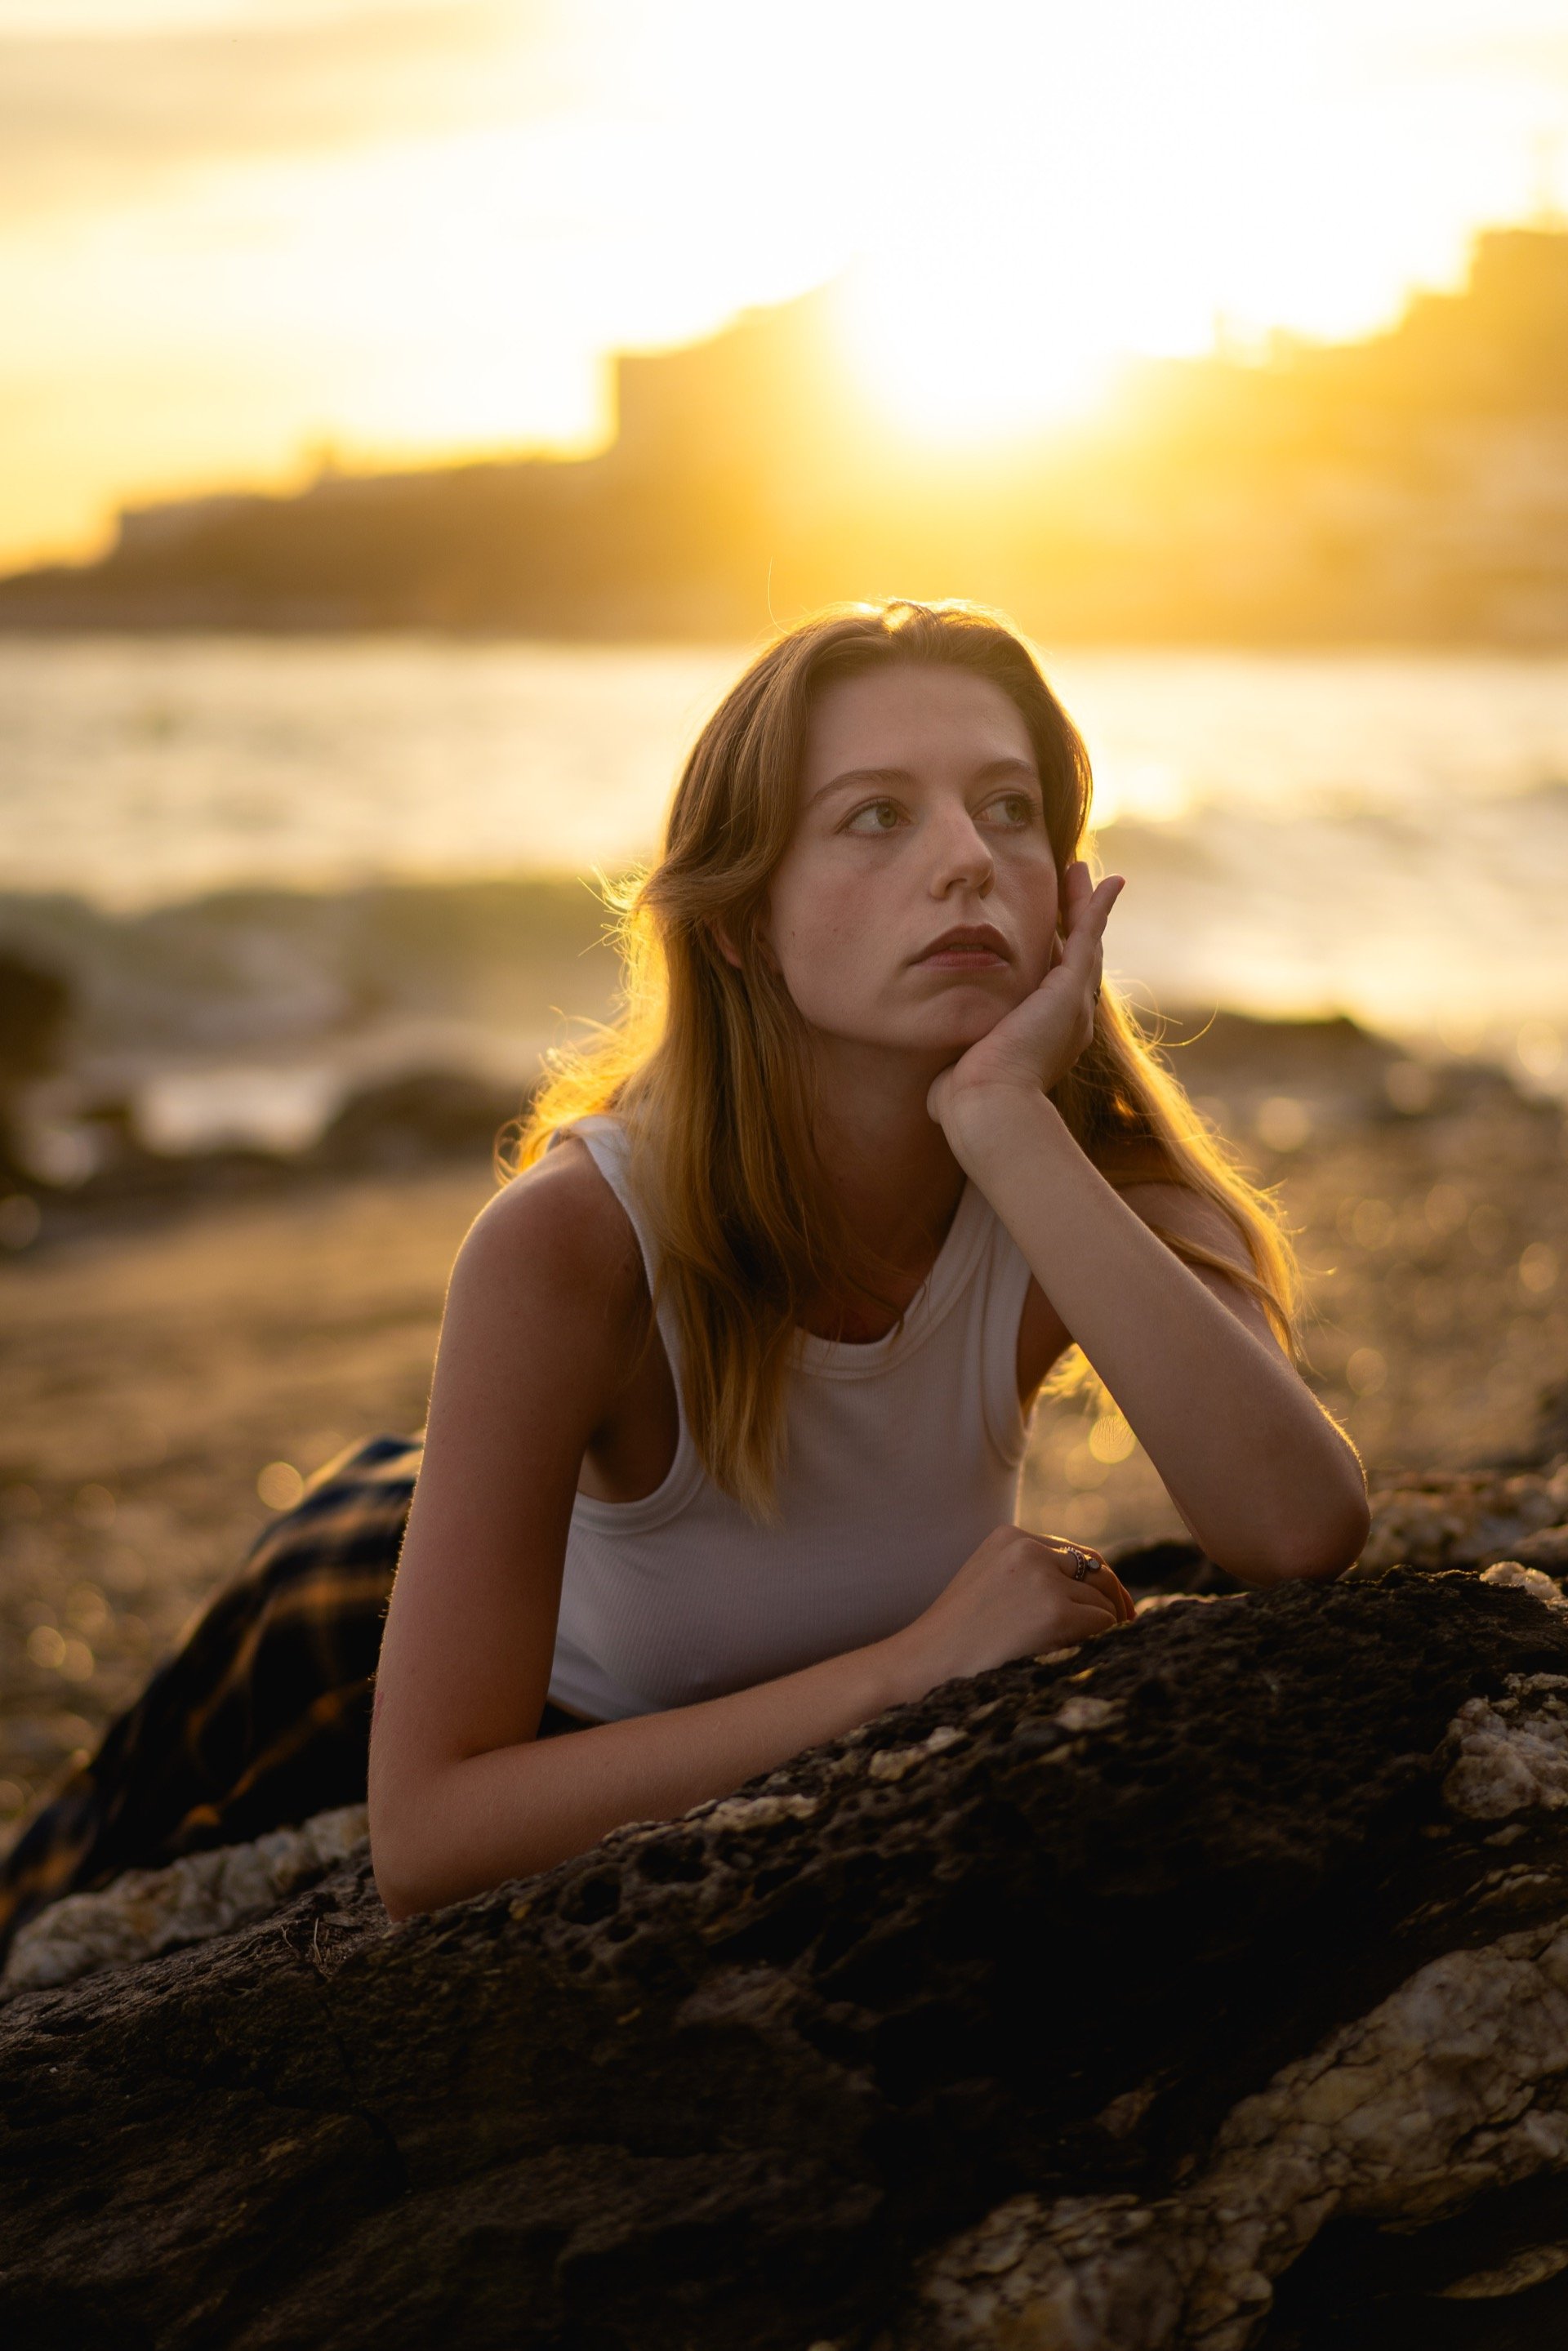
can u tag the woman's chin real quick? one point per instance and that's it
(955, 1037)
(945, 1031)
(974, 1017)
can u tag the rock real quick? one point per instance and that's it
(1446, 2092)
(1547, 1549)
(146, 1911)
(1284, 1081)
(1438, 1519)
(1547, 1444)
(1515, 1574)
(35, 1009)
(1169, 1568)
(423, 1114)
(1470, 1517)
(1204, 1987)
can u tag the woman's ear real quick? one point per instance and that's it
(720, 933)
(723, 940)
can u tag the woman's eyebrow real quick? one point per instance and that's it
(992, 770)
(858, 776)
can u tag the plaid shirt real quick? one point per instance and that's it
(261, 1719)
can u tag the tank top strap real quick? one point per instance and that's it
(979, 1246)
(607, 1144)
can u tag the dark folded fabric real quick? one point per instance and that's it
(263, 1716)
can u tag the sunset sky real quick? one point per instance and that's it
(234, 231)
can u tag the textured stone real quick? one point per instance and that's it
(1451, 2089)
(1470, 1517)
(1520, 1577)
(149, 1910)
(1172, 1993)
(1513, 1752)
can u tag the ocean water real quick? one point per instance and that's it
(139, 771)
(264, 861)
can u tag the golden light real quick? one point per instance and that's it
(955, 353)
(1135, 183)
(1019, 197)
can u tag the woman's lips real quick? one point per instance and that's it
(967, 946)
(962, 958)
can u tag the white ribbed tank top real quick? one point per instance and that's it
(903, 1454)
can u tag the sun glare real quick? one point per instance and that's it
(957, 356)
(1220, 172)
(1020, 204)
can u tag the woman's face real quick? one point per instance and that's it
(917, 901)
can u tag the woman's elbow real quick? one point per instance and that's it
(401, 1858)
(1316, 1547)
(397, 1875)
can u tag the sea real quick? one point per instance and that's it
(270, 866)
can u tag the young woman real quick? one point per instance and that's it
(729, 1403)
(730, 1400)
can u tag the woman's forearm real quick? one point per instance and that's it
(475, 1822)
(1264, 1480)
(446, 1826)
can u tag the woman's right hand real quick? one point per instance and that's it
(1016, 1596)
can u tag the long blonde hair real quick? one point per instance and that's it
(709, 1065)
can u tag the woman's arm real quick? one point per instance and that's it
(1267, 1483)
(547, 1309)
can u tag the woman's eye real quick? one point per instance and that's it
(1014, 809)
(877, 816)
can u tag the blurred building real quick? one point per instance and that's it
(1411, 487)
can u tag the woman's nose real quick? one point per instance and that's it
(962, 856)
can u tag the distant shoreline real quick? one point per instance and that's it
(271, 629)
(1406, 489)
(20, 625)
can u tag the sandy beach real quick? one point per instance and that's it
(150, 1373)
(159, 1361)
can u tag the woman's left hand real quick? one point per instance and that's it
(1037, 1042)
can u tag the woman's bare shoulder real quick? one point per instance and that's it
(557, 1233)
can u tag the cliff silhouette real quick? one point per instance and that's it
(1411, 487)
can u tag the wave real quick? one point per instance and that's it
(250, 1017)
(253, 1015)
(244, 970)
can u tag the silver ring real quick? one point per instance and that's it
(1088, 1564)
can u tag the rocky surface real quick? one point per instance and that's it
(1472, 1518)
(1207, 1987)
(146, 1911)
